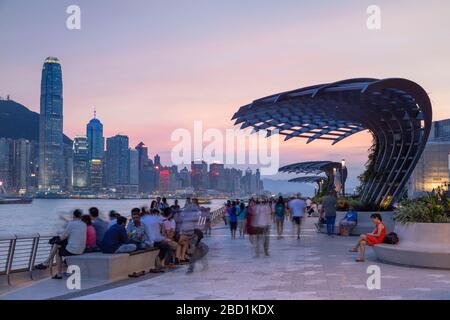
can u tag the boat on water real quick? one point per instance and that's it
(22, 200)
(204, 201)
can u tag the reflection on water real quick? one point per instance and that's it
(42, 216)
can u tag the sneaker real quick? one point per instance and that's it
(40, 266)
(57, 277)
(189, 271)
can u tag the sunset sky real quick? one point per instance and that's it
(149, 67)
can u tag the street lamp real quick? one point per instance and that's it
(342, 177)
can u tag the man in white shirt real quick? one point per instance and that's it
(297, 207)
(153, 224)
(72, 241)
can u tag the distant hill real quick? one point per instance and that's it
(17, 121)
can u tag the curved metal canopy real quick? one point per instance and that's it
(308, 179)
(311, 167)
(396, 111)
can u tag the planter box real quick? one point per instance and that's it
(421, 244)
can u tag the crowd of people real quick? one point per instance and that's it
(256, 218)
(173, 230)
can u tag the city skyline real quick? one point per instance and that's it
(150, 65)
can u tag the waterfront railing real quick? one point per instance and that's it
(20, 253)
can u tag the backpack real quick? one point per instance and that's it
(391, 238)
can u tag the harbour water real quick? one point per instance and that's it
(43, 215)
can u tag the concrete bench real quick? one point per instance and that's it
(421, 244)
(364, 225)
(101, 266)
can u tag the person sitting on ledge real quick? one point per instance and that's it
(116, 239)
(72, 241)
(376, 237)
(100, 225)
(136, 230)
(91, 242)
(348, 223)
(113, 218)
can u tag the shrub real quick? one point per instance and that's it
(424, 210)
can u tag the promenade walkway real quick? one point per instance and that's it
(315, 267)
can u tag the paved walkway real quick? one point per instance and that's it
(315, 267)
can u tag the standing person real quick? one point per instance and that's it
(100, 225)
(164, 204)
(232, 214)
(91, 239)
(308, 206)
(242, 218)
(297, 207)
(263, 221)
(250, 221)
(175, 207)
(280, 210)
(329, 203)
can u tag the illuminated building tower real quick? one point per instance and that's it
(51, 161)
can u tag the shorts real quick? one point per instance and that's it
(297, 220)
(233, 225)
(64, 253)
(279, 218)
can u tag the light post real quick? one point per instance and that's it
(342, 177)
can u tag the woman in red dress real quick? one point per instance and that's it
(377, 236)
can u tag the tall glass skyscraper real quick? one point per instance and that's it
(117, 161)
(96, 141)
(51, 161)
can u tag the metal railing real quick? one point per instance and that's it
(214, 217)
(19, 253)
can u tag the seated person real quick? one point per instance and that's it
(99, 225)
(116, 239)
(153, 224)
(377, 236)
(113, 218)
(91, 243)
(348, 223)
(136, 230)
(72, 241)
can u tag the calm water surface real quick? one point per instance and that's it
(42, 216)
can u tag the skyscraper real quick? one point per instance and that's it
(95, 139)
(199, 175)
(51, 161)
(80, 162)
(117, 161)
